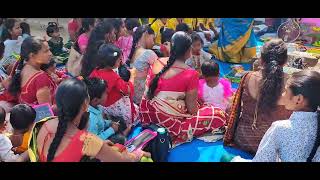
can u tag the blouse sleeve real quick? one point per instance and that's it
(82, 42)
(152, 56)
(41, 81)
(268, 147)
(92, 144)
(193, 81)
(6, 154)
(122, 86)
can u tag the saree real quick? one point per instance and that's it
(168, 109)
(82, 147)
(236, 42)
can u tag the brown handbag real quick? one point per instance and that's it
(235, 114)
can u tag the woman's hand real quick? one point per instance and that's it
(108, 142)
(115, 126)
(139, 154)
(133, 73)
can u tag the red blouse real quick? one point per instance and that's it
(116, 86)
(39, 80)
(184, 81)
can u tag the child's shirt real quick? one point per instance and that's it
(125, 44)
(98, 125)
(217, 96)
(12, 49)
(56, 47)
(117, 87)
(83, 42)
(6, 154)
(195, 61)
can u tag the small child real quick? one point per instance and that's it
(199, 56)
(22, 118)
(105, 129)
(125, 42)
(25, 30)
(183, 27)
(166, 35)
(213, 90)
(56, 76)
(56, 42)
(6, 154)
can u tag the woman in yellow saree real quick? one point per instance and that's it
(237, 42)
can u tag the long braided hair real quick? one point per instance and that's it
(85, 27)
(307, 83)
(181, 43)
(70, 96)
(89, 60)
(137, 35)
(29, 45)
(274, 56)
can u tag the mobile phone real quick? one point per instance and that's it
(140, 141)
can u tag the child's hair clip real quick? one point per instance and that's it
(115, 54)
(52, 24)
(134, 29)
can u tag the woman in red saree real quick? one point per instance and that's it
(65, 138)
(29, 83)
(170, 98)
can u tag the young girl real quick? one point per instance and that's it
(125, 42)
(25, 30)
(56, 42)
(120, 93)
(85, 31)
(56, 76)
(199, 56)
(298, 138)
(103, 32)
(166, 35)
(6, 153)
(12, 39)
(213, 90)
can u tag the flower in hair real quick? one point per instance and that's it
(134, 29)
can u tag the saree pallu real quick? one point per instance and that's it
(237, 42)
(168, 109)
(83, 146)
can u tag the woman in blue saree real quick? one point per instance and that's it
(237, 42)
